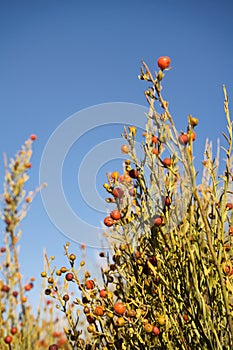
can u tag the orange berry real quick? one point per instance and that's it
(193, 136)
(108, 221)
(103, 293)
(167, 162)
(115, 214)
(69, 276)
(99, 311)
(28, 165)
(119, 308)
(183, 139)
(164, 62)
(27, 287)
(155, 151)
(8, 339)
(154, 139)
(14, 330)
(115, 175)
(125, 149)
(33, 137)
(157, 220)
(90, 284)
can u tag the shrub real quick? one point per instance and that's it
(20, 328)
(167, 283)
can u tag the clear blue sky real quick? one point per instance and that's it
(59, 57)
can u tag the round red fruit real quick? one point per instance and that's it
(53, 347)
(164, 62)
(133, 173)
(15, 293)
(156, 330)
(3, 249)
(119, 308)
(157, 220)
(103, 293)
(5, 288)
(8, 339)
(167, 162)
(183, 139)
(90, 284)
(155, 151)
(168, 201)
(69, 276)
(99, 310)
(33, 137)
(14, 330)
(115, 214)
(154, 139)
(108, 221)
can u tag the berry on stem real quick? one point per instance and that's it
(164, 62)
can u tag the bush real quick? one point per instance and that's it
(167, 280)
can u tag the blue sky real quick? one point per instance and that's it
(59, 57)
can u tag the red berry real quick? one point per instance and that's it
(3, 249)
(154, 139)
(115, 214)
(103, 293)
(167, 162)
(164, 62)
(90, 319)
(168, 201)
(14, 330)
(66, 297)
(90, 284)
(15, 293)
(119, 308)
(5, 288)
(155, 151)
(33, 137)
(8, 339)
(185, 317)
(99, 310)
(53, 347)
(133, 173)
(118, 192)
(69, 276)
(155, 330)
(108, 221)
(183, 139)
(157, 220)
(27, 287)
